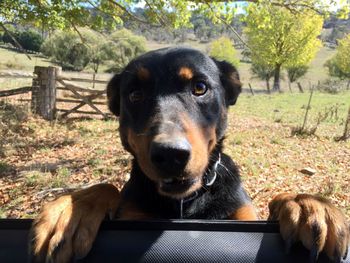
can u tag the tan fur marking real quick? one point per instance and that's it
(143, 73)
(130, 211)
(245, 213)
(186, 73)
(139, 144)
(200, 144)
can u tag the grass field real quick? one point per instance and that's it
(40, 160)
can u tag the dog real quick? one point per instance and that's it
(172, 106)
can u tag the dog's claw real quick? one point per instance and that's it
(346, 253)
(313, 254)
(288, 245)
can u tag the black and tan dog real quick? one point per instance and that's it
(172, 107)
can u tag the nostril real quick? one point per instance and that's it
(181, 156)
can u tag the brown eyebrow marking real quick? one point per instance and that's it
(186, 73)
(143, 73)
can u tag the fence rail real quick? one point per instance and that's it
(7, 93)
(16, 75)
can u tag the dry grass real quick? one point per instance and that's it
(38, 159)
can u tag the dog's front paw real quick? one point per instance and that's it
(67, 227)
(314, 221)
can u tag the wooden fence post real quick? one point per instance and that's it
(44, 91)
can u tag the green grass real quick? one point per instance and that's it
(290, 109)
(15, 60)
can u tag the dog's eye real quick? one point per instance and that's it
(136, 96)
(199, 88)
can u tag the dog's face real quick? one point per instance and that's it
(172, 105)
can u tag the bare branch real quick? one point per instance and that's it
(161, 20)
(227, 25)
(129, 14)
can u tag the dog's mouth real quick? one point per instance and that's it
(177, 186)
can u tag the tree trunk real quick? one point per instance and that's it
(277, 78)
(268, 85)
(347, 127)
(290, 86)
(348, 86)
(251, 89)
(300, 87)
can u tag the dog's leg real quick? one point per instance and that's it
(244, 213)
(314, 221)
(67, 227)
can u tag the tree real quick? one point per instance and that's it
(280, 38)
(30, 40)
(264, 72)
(296, 72)
(222, 49)
(110, 13)
(339, 65)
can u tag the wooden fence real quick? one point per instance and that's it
(47, 90)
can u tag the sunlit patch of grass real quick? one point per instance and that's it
(36, 178)
(289, 109)
(94, 162)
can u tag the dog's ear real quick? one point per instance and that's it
(230, 80)
(113, 94)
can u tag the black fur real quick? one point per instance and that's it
(166, 96)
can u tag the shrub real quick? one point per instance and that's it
(296, 72)
(339, 65)
(28, 39)
(67, 49)
(124, 47)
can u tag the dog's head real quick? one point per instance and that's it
(172, 107)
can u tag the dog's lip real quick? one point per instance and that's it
(176, 185)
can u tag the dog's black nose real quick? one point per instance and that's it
(170, 156)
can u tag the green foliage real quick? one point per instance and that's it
(278, 37)
(102, 14)
(296, 72)
(107, 14)
(339, 65)
(263, 72)
(123, 47)
(65, 47)
(28, 39)
(74, 52)
(222, 49)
